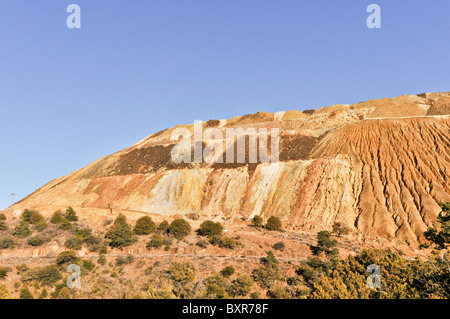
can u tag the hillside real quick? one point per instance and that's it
(381, 167)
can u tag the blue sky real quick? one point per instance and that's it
(70, 96)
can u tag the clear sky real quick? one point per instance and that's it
(70, 96)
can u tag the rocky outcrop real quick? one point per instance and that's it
(381, 167)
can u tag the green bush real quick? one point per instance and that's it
(202, 243)
(22, 229)
(57, 217)
(3, 226)
(35, 218)
(70, 215)
(48, 275)
(2, 216)
(155, 242)
(210, 228)
(182, 272)
(25, 293)
(65, 225)
(6, 243)
(228, 242)
(241, 286)
(66, 257)
(179, 228)
(124, 261)
(257, 221)
(74, 242)
(120, 233)
(102, 259)
(144, 226)
(4, 272)
(36, 241)
(163, 227)
(227, 271)
(64, 293)
(273, 223)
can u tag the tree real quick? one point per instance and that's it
(66, 257)
(340, 229)
(4, 293)
(182, 272)
(3, 225)
(227, 271)
(57, 217)
(22, 229)
(163, 227)
(64, 293)
(210, 228)
(120, 233)
(241, 286)
(25, 293)
(269, 271)
(144, 226)
(71, 215)
(325, 243)
(442, 237)
(155, 242)
(273, 223)
(65, 225)
(257, 221)
(179, 228)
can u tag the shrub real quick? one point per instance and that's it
(227, 271)
(279, 246)
(48, 275)
(163, 227)
(268, 272)
(103, 249)
(43, 294)
(278, 292)
(120, 233)
(155, 242)
(4, 272)
(36, 241)
(202, 243)
(88, 265)
(102, 259)
(26, 215)
(7, 243)
(70, 215)
(124, 261)
(273, 223)
(228, 242)
(65, 225)
(35, 218)
(182, 272)
(74, 242)
(64, 293)
(324, 243)
(25, 293)
(3, 226)
(66, 257)
(41, 225)
(57, 217)
(22, 229)
(340, 229)
(257, 221)
(241, 286)
(179, 228)
(4, 293)
(2, 216)
(144, 226)
(210, 228)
